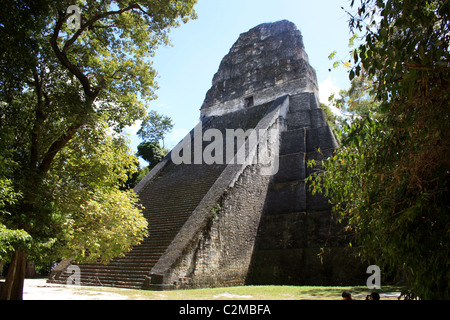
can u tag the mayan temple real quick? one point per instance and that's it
(237, 211)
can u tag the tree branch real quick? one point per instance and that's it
(39, 120)
(91, 93)
(90, 22)
(62, 57)
(56, 147)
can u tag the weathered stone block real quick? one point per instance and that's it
(256, 62)
(316, 202)
(317, 157)
(321, 137)
(323, 229)
(317, 118)
(314, 101)
(286, 197)
(319, 229)
(306, 119)
(297, 120)
(285, 231)
(293, 141)
(291, 167)
(308, 266)
(300, 102)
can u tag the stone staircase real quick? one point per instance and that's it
(169, 199)
(215, 225)
(168, 204)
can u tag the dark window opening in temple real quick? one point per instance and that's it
(249, 102)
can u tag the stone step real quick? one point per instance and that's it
(303, 102)
(137, 267)
(87, 277)
(169, 199)
(291, 167)
(106, 277)
(321, 137)
(293, 141)
(306, 119)
(285, 197)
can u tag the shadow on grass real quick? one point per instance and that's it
(38, 289)
(270, 293)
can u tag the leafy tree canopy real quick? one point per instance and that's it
(151, 152)
(155, 127)
(65, 95)
(390, 178)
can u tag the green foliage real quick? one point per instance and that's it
(154, 128)
(151, 152)
(10, 240)
(333, 120)
(103, 225)
(7, 195)
(105, 160)
(358, 100)
(81, 208)
(65, 96)
(99, 218)
(135, 177)
(390, 177)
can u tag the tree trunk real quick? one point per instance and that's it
(13, 287)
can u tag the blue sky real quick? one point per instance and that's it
(185, 70)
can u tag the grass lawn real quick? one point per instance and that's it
(254, 293)
(40, 289)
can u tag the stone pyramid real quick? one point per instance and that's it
(228, 205)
